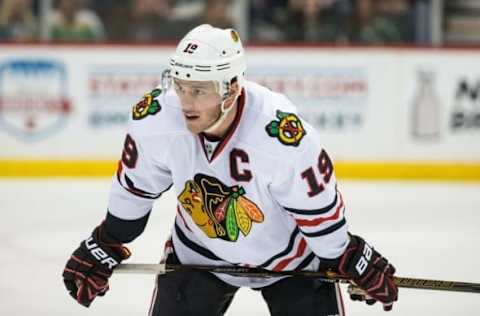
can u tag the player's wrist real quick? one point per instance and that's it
(104, 250)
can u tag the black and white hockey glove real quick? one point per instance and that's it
(87, 271)
(370, 272)
(371, 275)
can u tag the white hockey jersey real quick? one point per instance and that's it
(265, 196)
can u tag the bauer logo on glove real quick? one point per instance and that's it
(362, 263)
(99, 254)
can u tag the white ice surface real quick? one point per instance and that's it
(426, 229)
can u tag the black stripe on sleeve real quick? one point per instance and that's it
(319, 211)
(305, 262)
(286, 251)
(326, 231)
(136, 191)
(130, 187)
(193, 246)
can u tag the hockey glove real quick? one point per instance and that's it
(90, 266)
(370, 272)
(357, 294)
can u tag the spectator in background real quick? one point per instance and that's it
(150, 20)
(315, 21)
(381, 21)
(217, 13)
(155, 20)
(73, 22)
(266, 18)
(113, 14)
(17, 21)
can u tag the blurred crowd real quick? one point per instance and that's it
(340, 21)
(264, 21)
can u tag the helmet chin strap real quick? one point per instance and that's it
(222, 115)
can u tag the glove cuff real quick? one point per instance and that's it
(105, 250)
(106, 240)
(341, 265)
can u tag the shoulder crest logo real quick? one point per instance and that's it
(218, 210)
(147, 106)
(288, 129)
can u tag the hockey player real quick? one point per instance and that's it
(254, 188)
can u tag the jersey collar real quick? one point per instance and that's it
(231, 130)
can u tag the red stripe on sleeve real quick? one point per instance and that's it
(300, 250)
(320, 220)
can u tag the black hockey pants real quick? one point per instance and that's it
(203, 294)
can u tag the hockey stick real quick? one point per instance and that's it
(413, 283)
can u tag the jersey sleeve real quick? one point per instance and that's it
(308, 192)
(142, 175)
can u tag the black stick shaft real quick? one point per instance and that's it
(413, 283)
(441, 285)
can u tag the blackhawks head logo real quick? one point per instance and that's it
(147, 106)
(220, 211)
(289, 129)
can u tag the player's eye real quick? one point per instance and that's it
(199, 92)
(178, 88)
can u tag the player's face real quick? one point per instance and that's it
(200, 103)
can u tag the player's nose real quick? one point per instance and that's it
(187, 105)
(187, 102)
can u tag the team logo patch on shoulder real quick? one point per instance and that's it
(288, 129)
(218, 210)
(147, 106)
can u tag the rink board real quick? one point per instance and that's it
(382, 113)
(464, 172)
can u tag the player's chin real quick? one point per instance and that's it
(195, 127)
